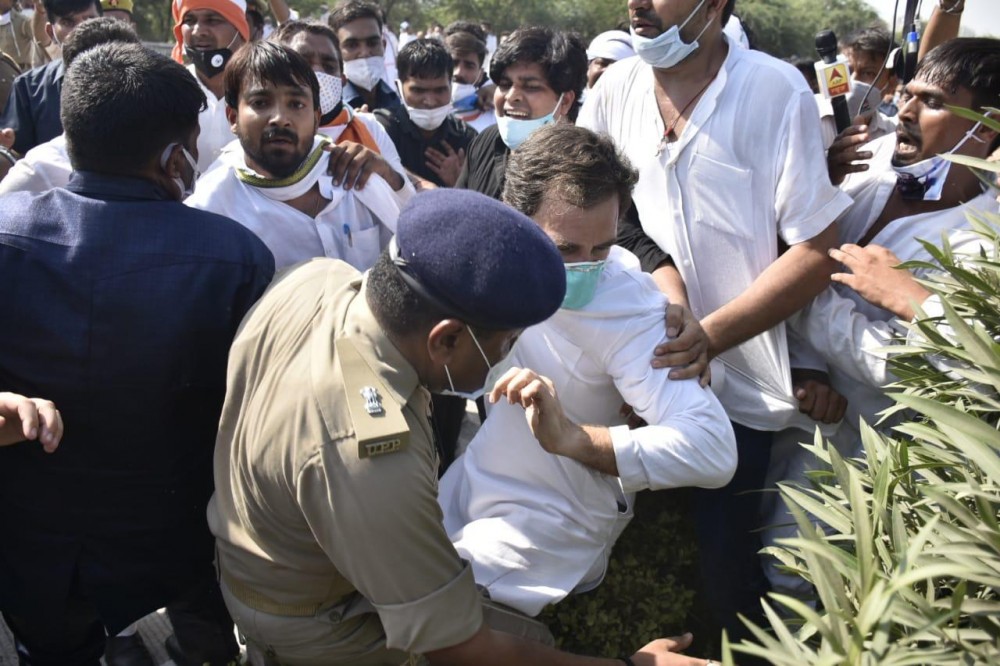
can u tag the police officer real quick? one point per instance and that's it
(331, 546)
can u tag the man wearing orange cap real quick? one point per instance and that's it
(208, 32)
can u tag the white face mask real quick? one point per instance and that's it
(490, 380)
(365, 73)
(924, 181)
(184, 188)
(429, 119)
(863, 100)
(425, 119)
(514, 131)
(668, 49)
(331, 92)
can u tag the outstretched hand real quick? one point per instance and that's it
(24, 419)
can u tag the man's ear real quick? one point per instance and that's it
(50, 32)
(986, 135)
(173, 167)
(231, 116)
(568, 99)
(443, 339)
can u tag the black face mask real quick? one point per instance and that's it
(210, 62)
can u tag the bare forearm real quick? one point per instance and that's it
(280, 10)
(591, 446)
(784, 288)
(941, 27)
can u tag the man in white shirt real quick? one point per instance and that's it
(852, 322)
(277, 185)
(537, 518)
(208, 32)
(731, 167)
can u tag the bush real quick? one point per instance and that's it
(907, 570)
(646, 593)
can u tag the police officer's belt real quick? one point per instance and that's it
(261, 602)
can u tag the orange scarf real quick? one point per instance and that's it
(355, 130)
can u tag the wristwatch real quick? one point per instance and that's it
(8, 154)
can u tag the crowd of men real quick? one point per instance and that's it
(253, 289)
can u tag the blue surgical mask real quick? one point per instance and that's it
(515, 131)
(924, 181)
(473, 395)
(581, 283)
(667, 49)
(464, 97)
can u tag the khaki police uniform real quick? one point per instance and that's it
(330, 537)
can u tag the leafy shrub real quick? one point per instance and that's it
(907, 570)
(646, 593)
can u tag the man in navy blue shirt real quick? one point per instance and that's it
(121, 306)
(32, 111)
(358, 25)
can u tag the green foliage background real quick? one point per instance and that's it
(907, 569)
(647, 593)
(782, 28)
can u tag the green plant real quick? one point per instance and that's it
(907, 568)
(645, 594)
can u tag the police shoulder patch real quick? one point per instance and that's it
(379, 424)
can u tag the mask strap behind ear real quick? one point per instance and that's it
(166, 154)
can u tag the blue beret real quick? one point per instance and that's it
(478, 259)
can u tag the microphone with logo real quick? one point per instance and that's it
(834, 77)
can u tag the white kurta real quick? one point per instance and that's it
(43, 167)
(385, 146)
(748, 167)
(848, 330)
(536, 526)
(355, 226)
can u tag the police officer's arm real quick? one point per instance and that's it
(489, 648)
(24, 418)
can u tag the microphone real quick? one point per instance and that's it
(834, 77)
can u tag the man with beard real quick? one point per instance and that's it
(208, 32)
(363, 145)
(277, 185)
(919, 195)
(731, 171)
(358, 25)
